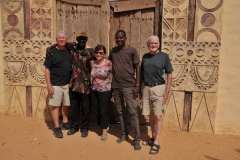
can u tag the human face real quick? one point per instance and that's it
(120, 39)
(99, 54)
(82, 41)
(61, 40)
(153, 44)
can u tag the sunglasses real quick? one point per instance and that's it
(100, 53)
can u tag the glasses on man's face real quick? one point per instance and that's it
(100, 53)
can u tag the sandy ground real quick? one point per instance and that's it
(30, 138)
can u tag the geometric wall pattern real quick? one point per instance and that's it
(41, 20)
(24, 62)
(23, 57)
(12, 18)
(196, 61)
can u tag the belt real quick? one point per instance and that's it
(152, 84)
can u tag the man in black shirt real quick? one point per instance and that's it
(57, 73)
(156, 74)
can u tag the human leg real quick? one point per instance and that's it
(94, 103)
(119, 104)
(104, 99)
(157, 128)
(157, 131)
(86, 111)
(55, 102)
(55, 117)
(158, 110)
(66, 103)
(132, 109)
(150, 141)
(75, 112)
(147, 111)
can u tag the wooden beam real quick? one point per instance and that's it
(120, 6)
(26, 10)
(187, 111)
(156, 18)
(29, 101)
(105, 24)
(191, 19)
(84, 2)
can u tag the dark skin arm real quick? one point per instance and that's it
(136, 88)
(140, 85)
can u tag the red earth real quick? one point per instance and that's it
(31, 138)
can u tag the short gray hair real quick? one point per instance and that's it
(152, 37)
(62, 32)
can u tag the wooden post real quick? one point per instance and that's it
(29, 101)
(156, 21)
(26, 10)
(191, 20)
(187, 111)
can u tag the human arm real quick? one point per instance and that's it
(140, 85)
(168, 87)
(136, 87)
(49, 85)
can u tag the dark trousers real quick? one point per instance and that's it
(100, 102)
(77, 99)
(119, 95)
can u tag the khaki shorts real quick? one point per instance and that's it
(61, 94)
(152, 100)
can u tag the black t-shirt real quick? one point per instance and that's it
(60, 66)
(154, 67)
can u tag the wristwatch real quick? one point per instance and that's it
(168, 90)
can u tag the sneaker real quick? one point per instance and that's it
(84, 133)
(104, 135)
(72, 131)
(137, 146)
(65, 126)
(100, 133)
(58, 132)
(123, 138)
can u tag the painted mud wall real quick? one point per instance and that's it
(228, 97)
(25, 36)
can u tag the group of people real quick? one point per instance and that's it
(77, 74)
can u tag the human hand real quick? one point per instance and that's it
(165, 97)
(135, 92)
(50, 89)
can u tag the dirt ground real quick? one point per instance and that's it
(30, 138)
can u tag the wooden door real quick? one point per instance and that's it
(91, 17)
(138, 18)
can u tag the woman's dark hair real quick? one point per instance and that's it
(98, 47)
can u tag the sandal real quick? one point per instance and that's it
(137, 146)
(123, 138)
(154, 150)
(148, 142)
